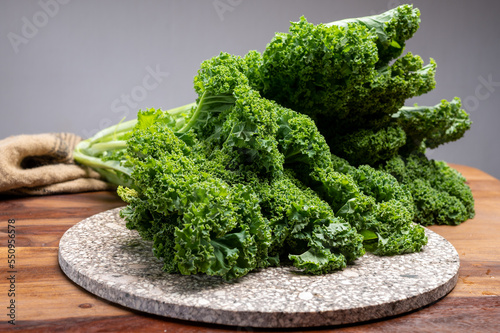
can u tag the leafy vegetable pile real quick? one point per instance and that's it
(301, 155)
(341, 75)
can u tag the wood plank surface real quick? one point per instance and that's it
(47, 301)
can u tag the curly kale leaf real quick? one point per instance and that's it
(215, 83)
(318, 67)
(305, 229)
(440, 193)
(151, 225)
(392, 218)
(378, 207)
(432, 126)
(392, 28)
(370, 146)
(374, 103)
(331, 74)
(202, 223)
(372, 201)
(410, 129)
(248, 134)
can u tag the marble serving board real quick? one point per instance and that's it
(101, 255)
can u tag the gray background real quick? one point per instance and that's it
(79, 66)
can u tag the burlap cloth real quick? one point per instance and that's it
(43, 164)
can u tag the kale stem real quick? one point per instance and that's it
(100, 147)
(181, 109)
(110, 133)
(194, 116)
(96, 162)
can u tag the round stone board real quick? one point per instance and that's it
(101, 255)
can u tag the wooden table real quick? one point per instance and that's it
(47, 301)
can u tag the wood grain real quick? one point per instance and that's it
(47, 301)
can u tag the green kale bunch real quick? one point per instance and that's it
(303, 155)
(352, 78)
(236, 182)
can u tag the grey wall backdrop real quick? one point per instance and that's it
(82, 65)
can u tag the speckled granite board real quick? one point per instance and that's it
(103, 256)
